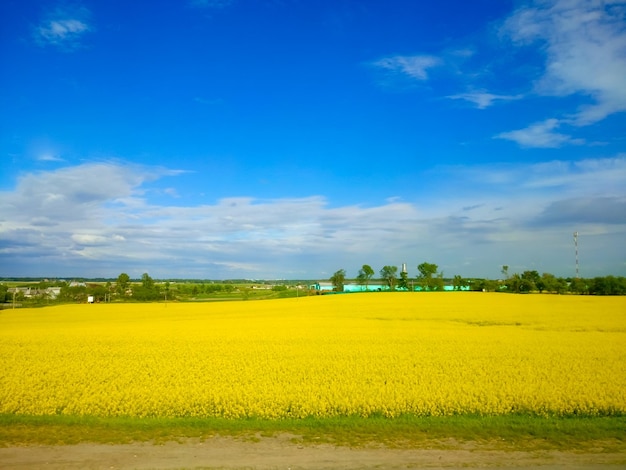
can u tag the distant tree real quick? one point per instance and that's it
(425, 277)
(489, 285)
(98, 291)
(607, 285)
(578, 286)
(438, 283)
(147, 282)
(513, 283)
(213, 288)
(388, 273)
(365, 274)
(458, 282)
(550, 283)
(148, 290)
(360, 278)
(529, 281)
(245, 292)
(76, 293)
(123, 280)
(540, 284)
(560, 286)
(338, 279)
(505, 271)
(403, 282)
(142, 294)
(167, 291)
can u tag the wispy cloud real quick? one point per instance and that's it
(595, 210)
(483, 99)
(585, 52)
(47, 157)
(415, 67)
(540, 135)
(582, 45)
(100, 219)
(63, 28)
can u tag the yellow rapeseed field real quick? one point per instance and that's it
(356, 354)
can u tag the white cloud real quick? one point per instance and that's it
(171, 192)
(540, 135)
(597, 211)
(416, 66)
(98, 219)
(89, 239)
(483, 99)
(561, 178)
(585, 52)
(63, 28)
(50, 158)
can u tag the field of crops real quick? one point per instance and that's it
(357, 354)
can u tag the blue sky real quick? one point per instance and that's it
(290, 138)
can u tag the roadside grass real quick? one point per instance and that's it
(512, 432)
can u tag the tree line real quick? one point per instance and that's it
(429, 278)
(35, 292)
(44, 292)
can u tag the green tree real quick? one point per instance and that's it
(147, 290)
(365, 274)
(123, 280)
(147, 282)
(578, 286)
(550, 283)
(76, 293)
(98, 291)
(245, 292)
(403, 282)
(388, 273)
(485, 285)
(438, 283)
(513, 283)
(425, 277)
(214, 288)
(458, 282)
(360, 279)
(607, 285)
(338, 279)
(167, 291)
(561, 285)
(505, 271)
(530, 279)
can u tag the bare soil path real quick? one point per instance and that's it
(281, 452)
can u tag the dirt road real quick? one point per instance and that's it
(281, 453)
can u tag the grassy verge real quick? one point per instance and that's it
(499, 432)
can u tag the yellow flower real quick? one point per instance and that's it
(363, 354)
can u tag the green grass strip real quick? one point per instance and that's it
(501, 432)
